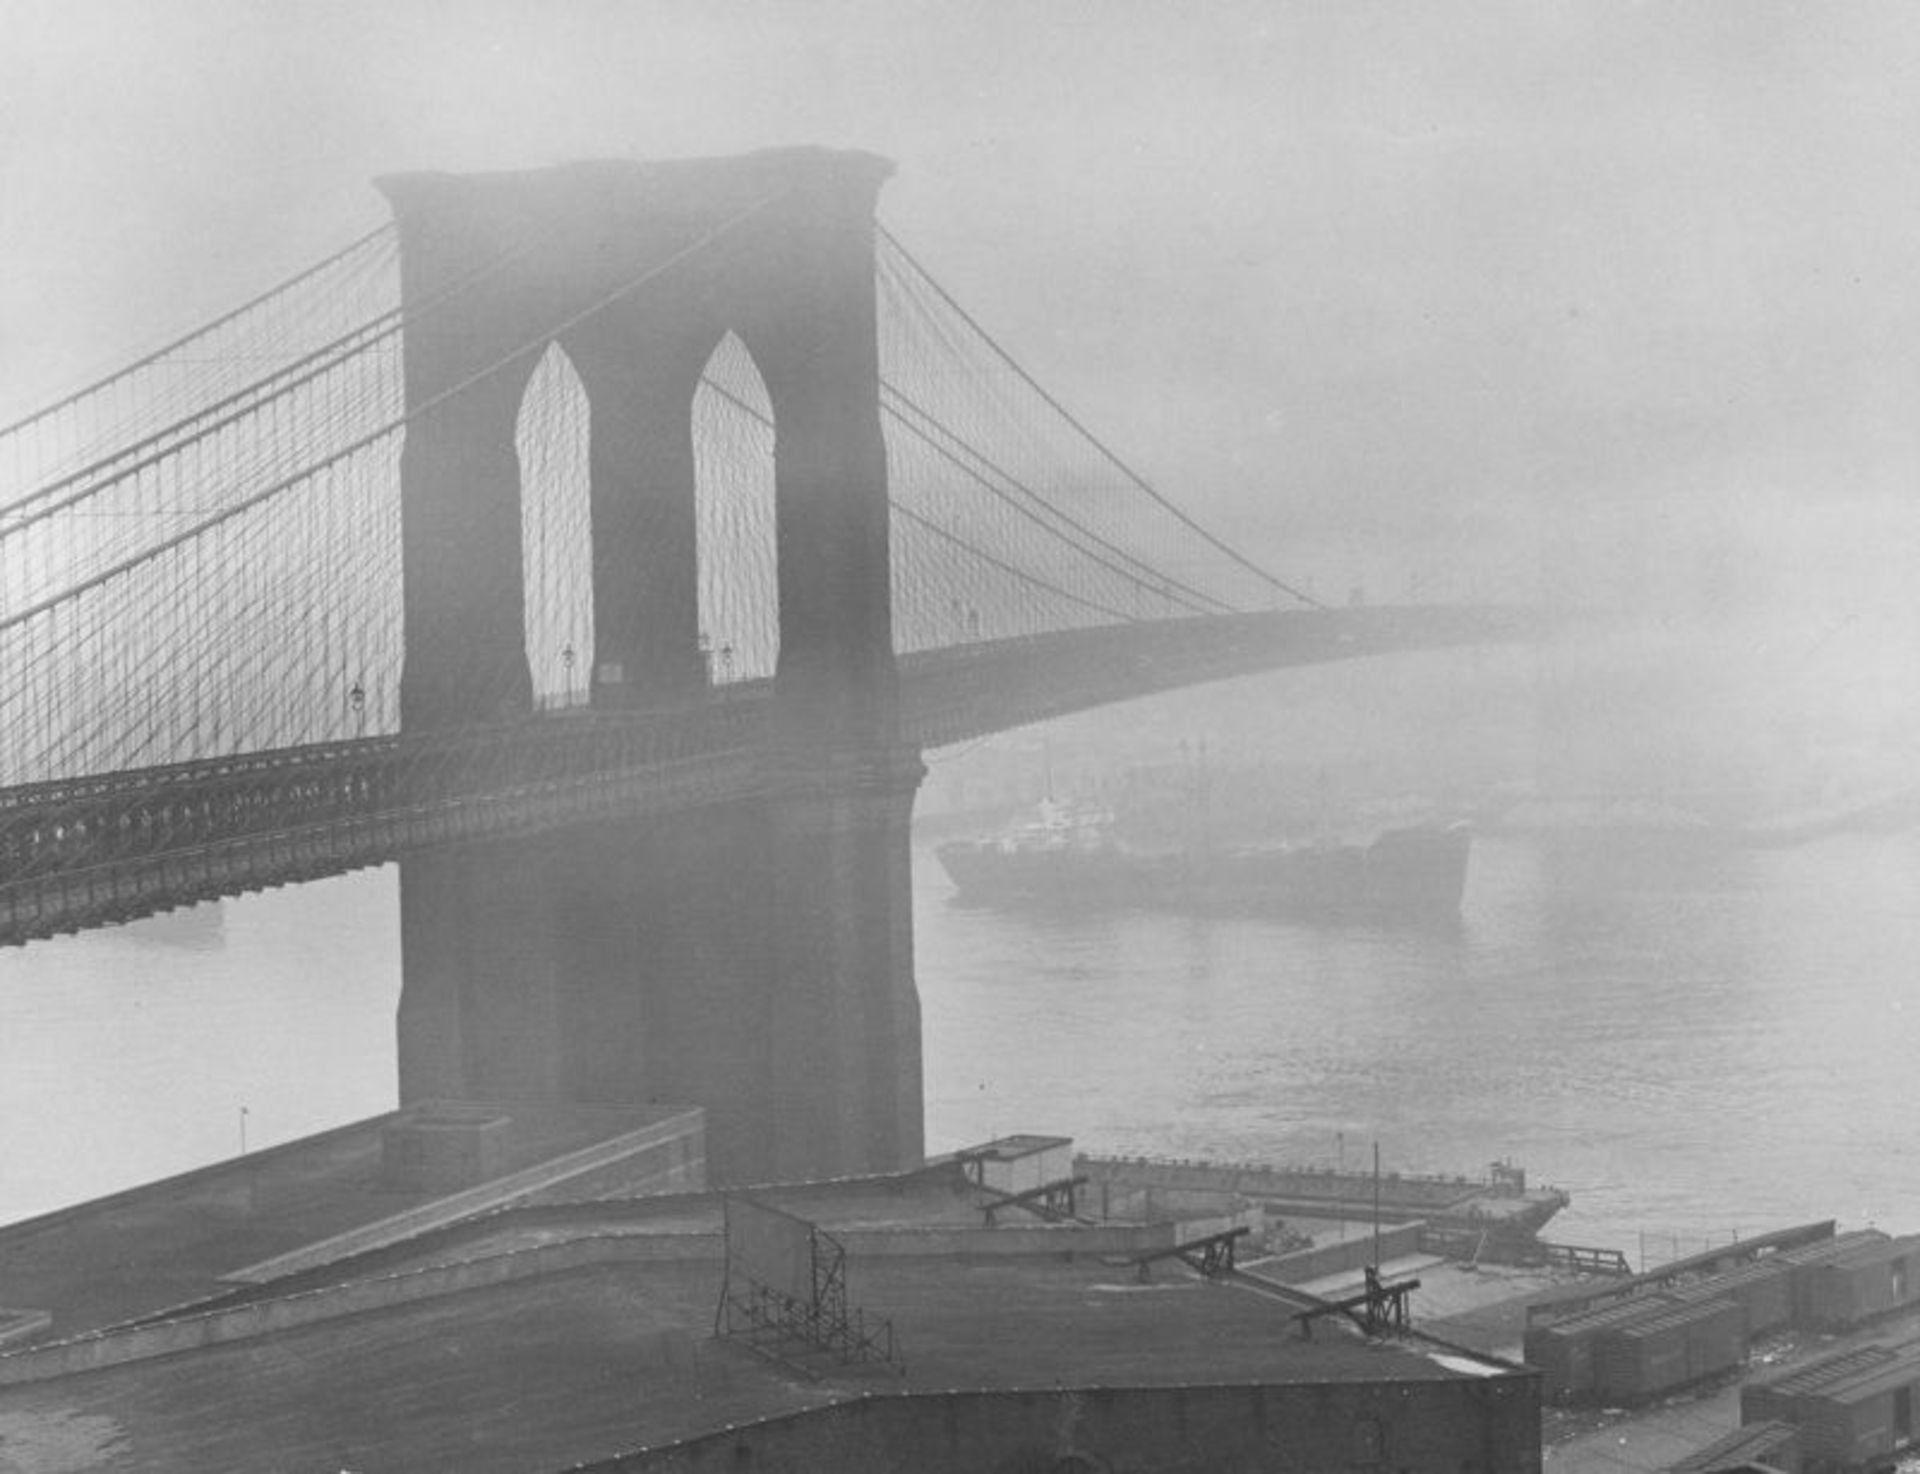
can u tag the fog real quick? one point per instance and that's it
(1455, 300)
(1604, 307)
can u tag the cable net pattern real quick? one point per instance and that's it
(183, 544)
(1010, 518)
(200, 555)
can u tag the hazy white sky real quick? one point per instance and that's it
(1339, 275)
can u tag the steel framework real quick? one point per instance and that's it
(776, 1322)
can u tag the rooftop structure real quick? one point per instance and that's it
(531, 1334)
(264, 1216)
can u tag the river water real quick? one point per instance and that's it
(1692, 1044)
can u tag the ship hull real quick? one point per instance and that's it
(1409, 873)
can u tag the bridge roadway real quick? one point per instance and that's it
(90, 851)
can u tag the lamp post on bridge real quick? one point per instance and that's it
(718, 661)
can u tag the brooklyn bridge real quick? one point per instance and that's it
(604, 545)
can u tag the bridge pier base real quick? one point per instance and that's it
(479, 989)
(755, 960)
(845, 1077)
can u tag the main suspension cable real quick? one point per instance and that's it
(1098, 444)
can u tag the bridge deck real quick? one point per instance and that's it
(98, 849)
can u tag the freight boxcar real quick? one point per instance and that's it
(1757, 1445)
(1642, 1358)
(1870, 1280)
(1564, 1350)
(1802, 1264)
(1763, 1289)
(1862, 1420)
(1781, 1396)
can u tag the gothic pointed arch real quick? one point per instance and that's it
(552, 439)
(733, 443)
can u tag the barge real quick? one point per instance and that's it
(1498, 1216)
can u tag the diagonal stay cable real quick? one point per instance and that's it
(199, 332)
(1149, 577)
(1010, 569)
(1112, 457)
(953, 537)
(306, 473)
(342, 350)
(258, 394)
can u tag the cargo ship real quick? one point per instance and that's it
(1069, 856)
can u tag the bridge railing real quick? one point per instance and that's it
(115, 845)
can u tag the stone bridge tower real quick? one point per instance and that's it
(753, 958)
